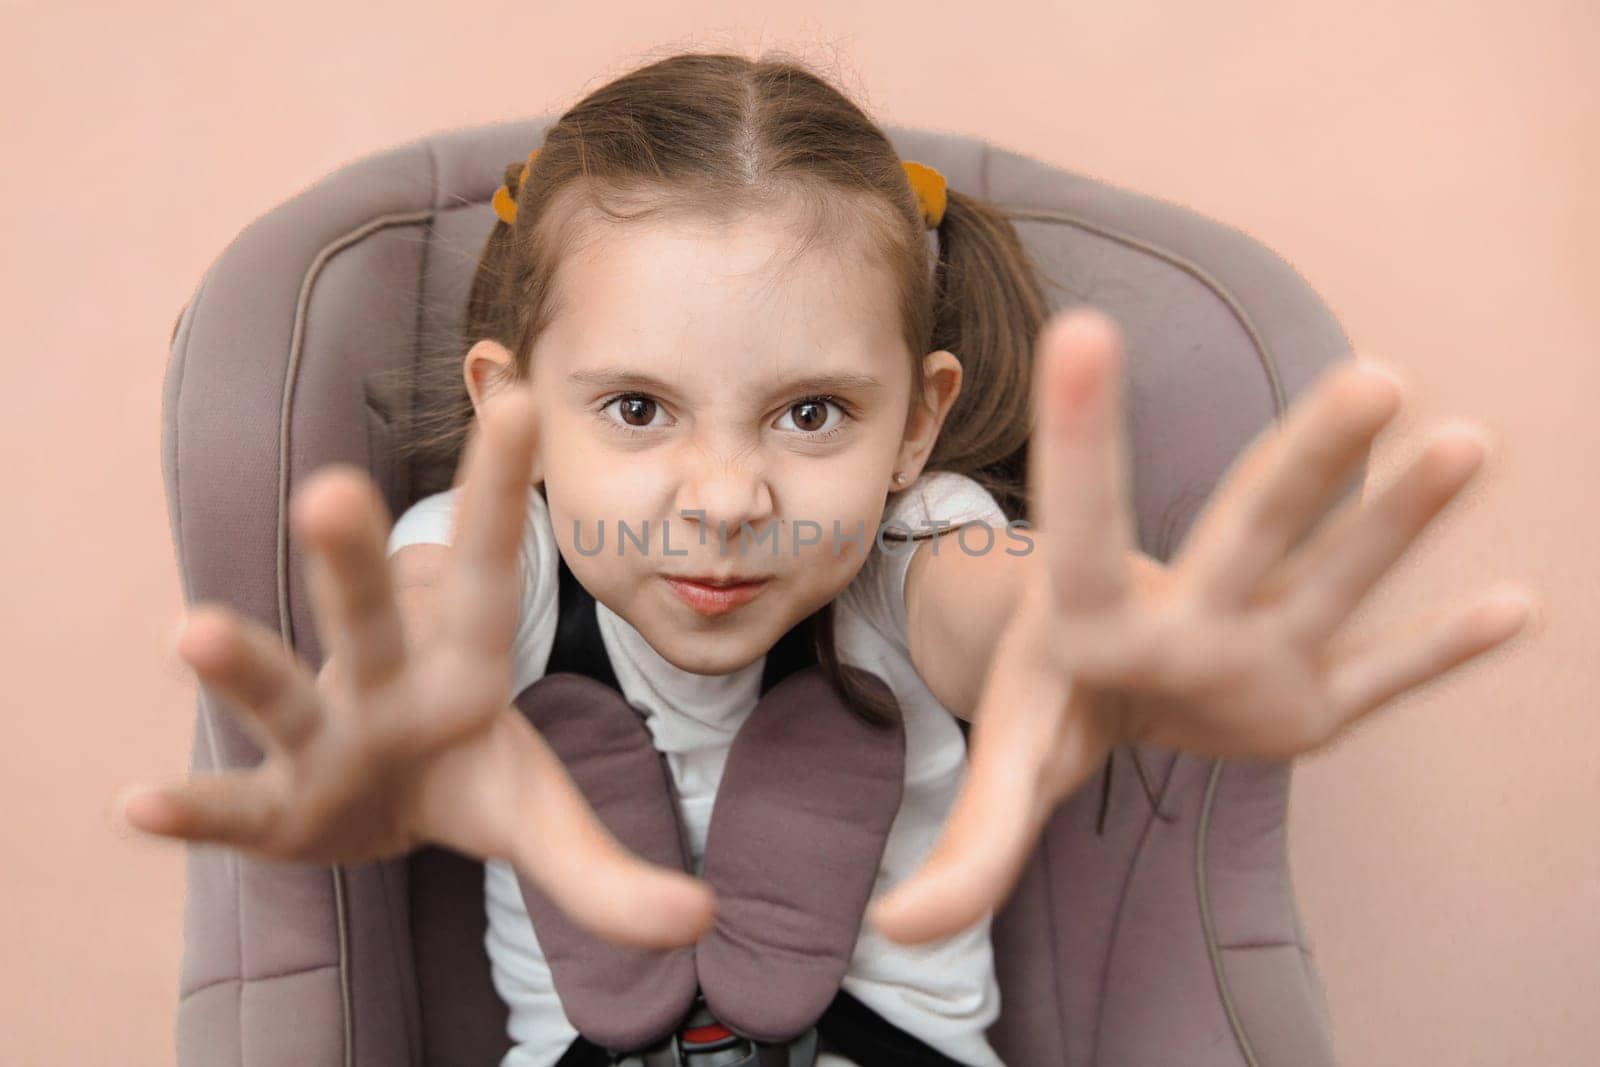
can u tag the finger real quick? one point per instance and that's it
(600, 884)
(342, 521)
(1078, 467)
(1325, 581)
(1370, 672)
(478, 603)
(997, 815)
(237, 809)
(1281, 484)
(268, 688)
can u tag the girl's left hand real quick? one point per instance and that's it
(1232, 651)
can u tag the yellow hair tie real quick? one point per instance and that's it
(504, 204)
(927, 183)
(929, 186)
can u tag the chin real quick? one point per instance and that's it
(711, 653)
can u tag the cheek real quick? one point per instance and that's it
(846, 485)
(846, 503)
(596, 482)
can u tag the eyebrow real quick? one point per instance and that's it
(618, 378)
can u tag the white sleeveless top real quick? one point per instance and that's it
(943, 992)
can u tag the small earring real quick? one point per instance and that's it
(899, 478)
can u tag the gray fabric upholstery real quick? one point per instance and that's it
(1172, 937)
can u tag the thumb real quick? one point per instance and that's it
(969, 874)
(613, 893)
(997, 816)
(562, 845)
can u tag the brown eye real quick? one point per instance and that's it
(811, 415)
(637, 408)
(634, 412)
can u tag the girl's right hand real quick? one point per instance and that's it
(397, 743)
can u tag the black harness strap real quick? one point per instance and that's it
(578, 647)
(861, 1035)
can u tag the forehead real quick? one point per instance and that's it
(749, 289)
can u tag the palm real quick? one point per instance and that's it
(1232, 651)
(397, 742)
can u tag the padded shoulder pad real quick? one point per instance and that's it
(618, 996)
(797, 833)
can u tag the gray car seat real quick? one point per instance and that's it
(1156, 922)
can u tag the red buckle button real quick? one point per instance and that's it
(702, 1035)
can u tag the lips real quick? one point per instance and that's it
(707, 598)
(719, 583)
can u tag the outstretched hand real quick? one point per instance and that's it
(401, 741)
(1232, 651)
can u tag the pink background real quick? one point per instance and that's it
(1430, 167)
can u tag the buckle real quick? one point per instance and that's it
(699, 1041)
(702, 1041)
(695, 1039)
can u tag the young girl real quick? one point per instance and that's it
(719, 310)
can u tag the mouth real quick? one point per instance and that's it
(719, 581)
(716, 596)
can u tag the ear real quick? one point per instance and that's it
(940, 385)
(488, 368)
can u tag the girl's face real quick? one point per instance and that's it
(737, 411)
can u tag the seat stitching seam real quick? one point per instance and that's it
(1184, 263)
(255, 978)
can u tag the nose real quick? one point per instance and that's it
(718, 494)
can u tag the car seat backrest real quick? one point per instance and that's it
(1155, 923)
